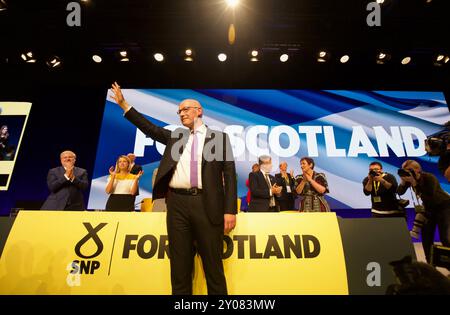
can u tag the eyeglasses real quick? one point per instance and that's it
(185, 109)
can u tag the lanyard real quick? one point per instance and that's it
(376, 187)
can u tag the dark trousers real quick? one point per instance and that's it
(187, 222)
(440, 218)
(120, 202)
(75, 207)
(286, 204)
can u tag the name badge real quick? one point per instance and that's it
(288, 188)
(376, 199)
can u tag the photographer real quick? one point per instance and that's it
(438, 144)
(382, 188)
(444, 163)
(436, 203)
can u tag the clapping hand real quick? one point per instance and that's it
(138, 175)
(69, 171)
(112, 171)
(307, 177)
(276, 190)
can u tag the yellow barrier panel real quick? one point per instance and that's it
(50, 252)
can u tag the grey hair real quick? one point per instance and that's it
(263, 158)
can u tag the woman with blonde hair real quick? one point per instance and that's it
(122, 186)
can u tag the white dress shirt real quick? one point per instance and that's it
(182, 176)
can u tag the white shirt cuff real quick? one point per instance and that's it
(67, 177)
(126, 111)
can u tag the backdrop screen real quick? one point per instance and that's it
(342, 130)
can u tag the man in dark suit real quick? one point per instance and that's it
(287, 182)
(197, 176)
(66, 184)
(135, 169)
(263, 187)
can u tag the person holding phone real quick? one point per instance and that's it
(263, 188)
(312, 187)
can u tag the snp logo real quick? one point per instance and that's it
(85, 265)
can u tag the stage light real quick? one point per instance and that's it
(344, 59)
(254, 55)
(53, 62)
(232, 3)
(440, 60)
(284, 57)
(380, 1)
(123, 56)
(189, 54)
(3, 5)
(323, 56)
(159, 57)
(28, 57)
(383, 57)
(222, 57)
(406, 60)
(97, 58)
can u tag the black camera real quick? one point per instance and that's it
(402, 204)
(373, 173)
(406, 173)
(436, 144)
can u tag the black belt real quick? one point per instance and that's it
(187, 191)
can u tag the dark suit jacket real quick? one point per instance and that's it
(260, 193)
(218, 177)
(281, 182)
(135, 170)
(63, 190)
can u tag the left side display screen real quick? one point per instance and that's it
(13, 120)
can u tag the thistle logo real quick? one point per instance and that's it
(88, 266)
(92, 233)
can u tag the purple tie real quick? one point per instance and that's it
(194, 165)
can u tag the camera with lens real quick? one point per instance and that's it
(373, 173)
(436, 144)
(402, 204)
(406, 173)
(419, 220)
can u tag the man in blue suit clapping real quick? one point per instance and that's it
(66, 184)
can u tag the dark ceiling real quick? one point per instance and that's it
(303, 27)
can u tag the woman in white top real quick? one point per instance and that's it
(122, 186)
